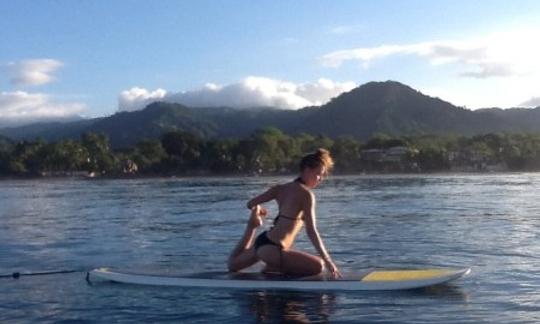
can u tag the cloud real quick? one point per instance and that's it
(490, 70)
(532, 103)
(248, 93)
(32, 72)
(512, 53)
(137, 98)
(21, 107)
(320, 92)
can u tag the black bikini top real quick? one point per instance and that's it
(286, 217)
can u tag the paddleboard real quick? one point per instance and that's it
(366, 280)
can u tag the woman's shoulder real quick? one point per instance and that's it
(298, 190)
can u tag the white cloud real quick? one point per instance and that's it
(137, 98)
(32, 72)
(531, 103)
(21, 107)
(488, 70)
(320, 92)
(511, 53)
(248, 93)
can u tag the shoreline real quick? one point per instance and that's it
(238, 175)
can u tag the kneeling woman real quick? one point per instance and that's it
(296, 204)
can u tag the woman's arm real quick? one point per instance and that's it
(262, 198)
(313, 234)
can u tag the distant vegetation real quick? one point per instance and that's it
(268, 151)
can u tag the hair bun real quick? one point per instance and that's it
(322, 152)
(320, 157)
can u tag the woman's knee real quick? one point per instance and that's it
(320, 265)
(232, 266)
(317, 265)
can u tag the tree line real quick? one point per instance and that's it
(270, 151)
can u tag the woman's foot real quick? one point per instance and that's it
(256, 217)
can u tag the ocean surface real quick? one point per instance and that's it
(489, 222)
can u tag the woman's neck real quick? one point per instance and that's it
(300, 180)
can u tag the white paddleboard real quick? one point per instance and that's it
(366, 280)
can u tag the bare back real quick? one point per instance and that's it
(291, 198)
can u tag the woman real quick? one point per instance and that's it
(296, 204)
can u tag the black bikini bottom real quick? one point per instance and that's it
(263, 239)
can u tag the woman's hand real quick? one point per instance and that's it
(332, 268)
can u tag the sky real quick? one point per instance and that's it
(62, 58)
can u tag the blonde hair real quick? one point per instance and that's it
(317, 158)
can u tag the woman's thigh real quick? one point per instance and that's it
(290, 261)
(271, 255)
(245, 259)
(301, 263)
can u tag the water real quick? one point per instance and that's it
(489, 222)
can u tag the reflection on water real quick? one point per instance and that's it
(291, 307)
(279, 306)
(271, 306)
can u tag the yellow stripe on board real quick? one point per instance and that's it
(401, 275)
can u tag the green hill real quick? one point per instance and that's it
(376, 107)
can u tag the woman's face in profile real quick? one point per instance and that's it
(314, 176)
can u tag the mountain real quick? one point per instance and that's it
(387, 107)
(377, 107)
(48, 130)
(5, 143)
(515, 119)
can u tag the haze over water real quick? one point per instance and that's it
(488, 222)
